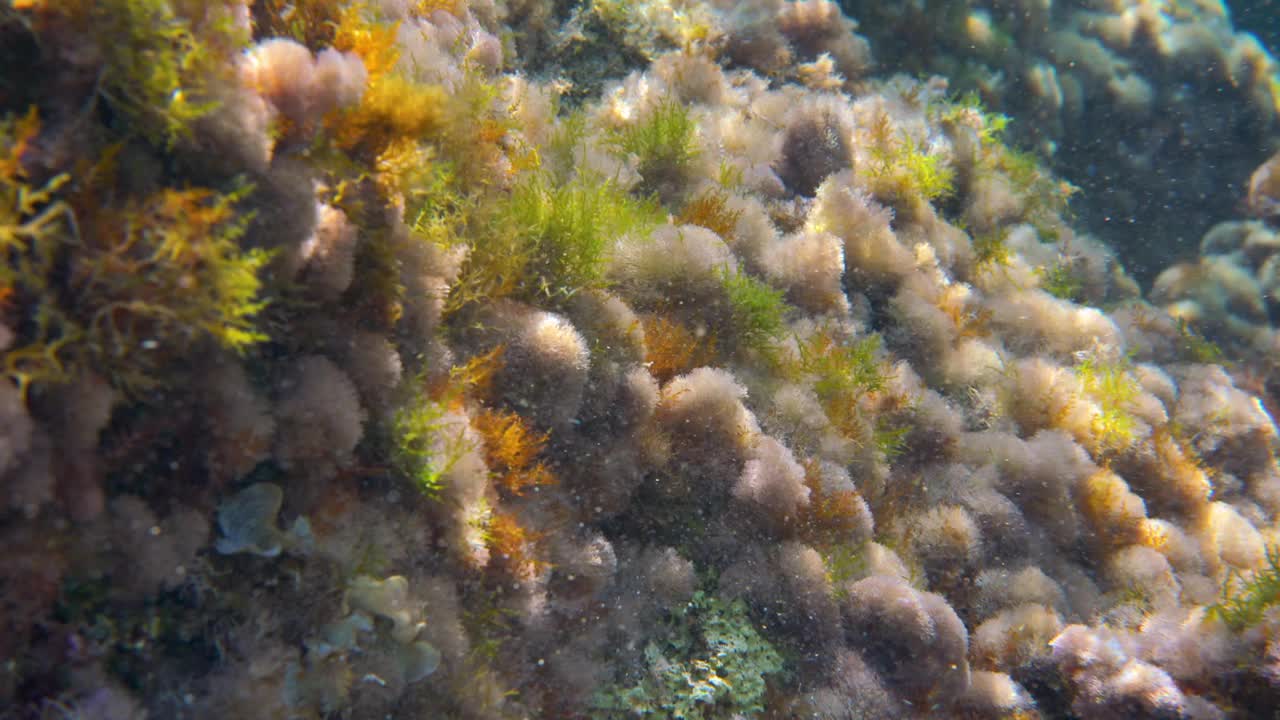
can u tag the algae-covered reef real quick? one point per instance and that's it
(1158, 110)
(474, 359)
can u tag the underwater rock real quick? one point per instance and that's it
(1263, 198)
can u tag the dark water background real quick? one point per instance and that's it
(1260, 17)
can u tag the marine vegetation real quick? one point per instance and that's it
(550, 240)
(1246, 600)
(1112, 386)
(662, 145)
(667, 359)
(137, 283)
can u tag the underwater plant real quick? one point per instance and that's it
(34, 222)
(514, 546)
(1112, 386)
(549, 241)
(1247, 599)
(426, 446)
(843, 374)
(393, 106)
(1196, 346)
(1061, 281)
(902, 172)
(159, 60)
(176, 270)
(512, 449)
(710, 209)
(991, 250)
(757, 312)
(428, 438)
(123, 289)
(311, 22)
(672, 348)
(662, 143)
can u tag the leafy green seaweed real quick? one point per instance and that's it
(1245, 601)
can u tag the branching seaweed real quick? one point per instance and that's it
(310, 22)
(832, 515)
(427, 447)
(157, 65)
(1061, 281)
(514, 546)
(393, 107)
(120, 289)
(549, 241)
(512, 450)
(711, 210)
(757, 312)
(1112, 386)
(672, 349)
(1245, 601)
(427, 443)
(1195, 346)
(35, 223)
(844, 374)
(991, 250)
(662, 142)
(902, 172)
(165, 270)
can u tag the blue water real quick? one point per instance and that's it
(1260, 17)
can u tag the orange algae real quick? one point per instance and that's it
(830, 518)
(393, 106)
(357, 31)
(311, 22)
(672, 349)
(711, 211)
(513, 546)
(426, 7)
(512, 449)
(470, 380)
(169, 264)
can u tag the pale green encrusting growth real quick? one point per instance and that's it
(712, 663)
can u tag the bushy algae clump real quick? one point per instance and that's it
(33, 222)
(757, 312)
(1246, 600)
(1111, 385)
(550, 240)
(426, 448)
(158, 65)
(123, 289)
(1061, 282)
(662, 144)
(903, 172)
